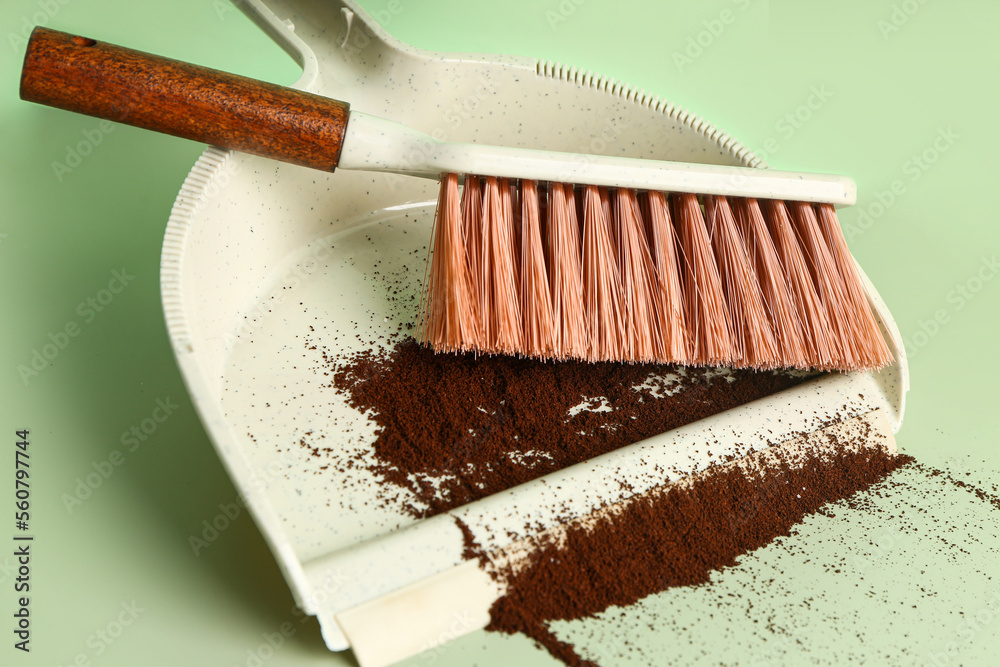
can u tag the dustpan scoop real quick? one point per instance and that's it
(231, 293)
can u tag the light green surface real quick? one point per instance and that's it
(887, 97)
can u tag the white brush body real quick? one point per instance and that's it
(376, 144)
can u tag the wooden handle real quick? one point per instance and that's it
(234, 112)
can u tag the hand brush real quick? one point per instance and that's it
(523, 263)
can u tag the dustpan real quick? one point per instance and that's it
(262, 261)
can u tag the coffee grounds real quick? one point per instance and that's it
(454, 428)
(931, 472)
(672, 536)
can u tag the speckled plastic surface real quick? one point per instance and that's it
(263, 261)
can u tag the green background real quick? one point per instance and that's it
(891, 84)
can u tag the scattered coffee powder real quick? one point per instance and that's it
(455, 428)
(671, 536)
(451, 429)
(982, 494)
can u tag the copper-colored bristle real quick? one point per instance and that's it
(503, 309)
(602, 286)
(606, 209)
(750, 329)
(475, 247)
(566, 274)
(511, 201)
(829, 287)
(670, 298)
(812, 314)
(706, 311)
(449, 306)
(536, 299)
(875, 352)
(778, 298)
(643, 340)
(552, 271)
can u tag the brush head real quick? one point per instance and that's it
(557, 271)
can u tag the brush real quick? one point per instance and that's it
(538, 253)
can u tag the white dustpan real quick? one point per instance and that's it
(262, 259)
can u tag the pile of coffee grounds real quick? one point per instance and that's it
(454, 428)
(672, 536)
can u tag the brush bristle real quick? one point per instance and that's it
(500, 272)
(669, 295)
(778, 300)
(706, 311)
(450, 306)
(828, 287)
(602, 284)
(536, 297)
(548, 271)
(750, 329)
(471, 224)
(810, 310)
(566, 274)
(861, 322)
(643, 339)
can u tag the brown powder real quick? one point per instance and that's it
(947, 477)
(672, 536)
(454, 428)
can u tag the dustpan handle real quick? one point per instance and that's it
(233, 112)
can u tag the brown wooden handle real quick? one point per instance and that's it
(234, 112)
